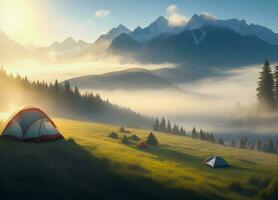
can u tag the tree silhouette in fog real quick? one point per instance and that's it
(265, 90)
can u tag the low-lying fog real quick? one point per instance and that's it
(209, 104)
(36, 70)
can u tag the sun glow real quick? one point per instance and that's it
(18, 20)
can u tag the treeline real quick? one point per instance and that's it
(63, 100)
(202, 135)
(267, 90)
(175, 129)
(244, 142)
(259, 144)
(168, 128)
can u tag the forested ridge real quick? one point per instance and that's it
(65, 101)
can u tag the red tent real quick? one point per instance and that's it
(142, 145)
(31, 123)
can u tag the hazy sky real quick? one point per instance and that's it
(40, 22)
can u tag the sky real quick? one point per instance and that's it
(40, 22)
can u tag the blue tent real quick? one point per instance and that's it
(216, 162)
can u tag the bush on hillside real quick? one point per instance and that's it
(134, 138)
(113, 135)
(123, 130)
(151, 140)
(125, 140)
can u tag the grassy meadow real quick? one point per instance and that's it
(90, 164)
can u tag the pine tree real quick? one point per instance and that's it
(169, 127)
(251, 145)
(259, 144)
(56, 86)
(156, 125)
(67, 88)
(125, 140)
(265, 90)
(221, 141)
(76, 91)
(182, 131)
(276, 85)
(194, 133)
(151, 140)
(233, 143)
(276, 147)
(202, 135)
(243, 142)
(162, 125)
(212, 138)
(174, 131)
(268, 146)
(177, 130)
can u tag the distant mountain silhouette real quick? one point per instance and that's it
(97, 49)
(132, 79)
(69, 47)
(206, 46)
(10, 50)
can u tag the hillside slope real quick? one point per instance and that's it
(131, 79)
(91, 165)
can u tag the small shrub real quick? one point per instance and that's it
(151, 140)
(123, 130)
(125, 140)
(134, 138)
(113, 135)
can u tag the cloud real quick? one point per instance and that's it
(208, 15)
(177, 20)
(174, 17)
(172, 9)
(102, 13)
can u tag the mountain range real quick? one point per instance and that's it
(58, 50)
(203, 41)
(206, 46)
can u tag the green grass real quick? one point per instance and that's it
(173, 167)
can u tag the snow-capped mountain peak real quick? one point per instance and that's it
(239, 26)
